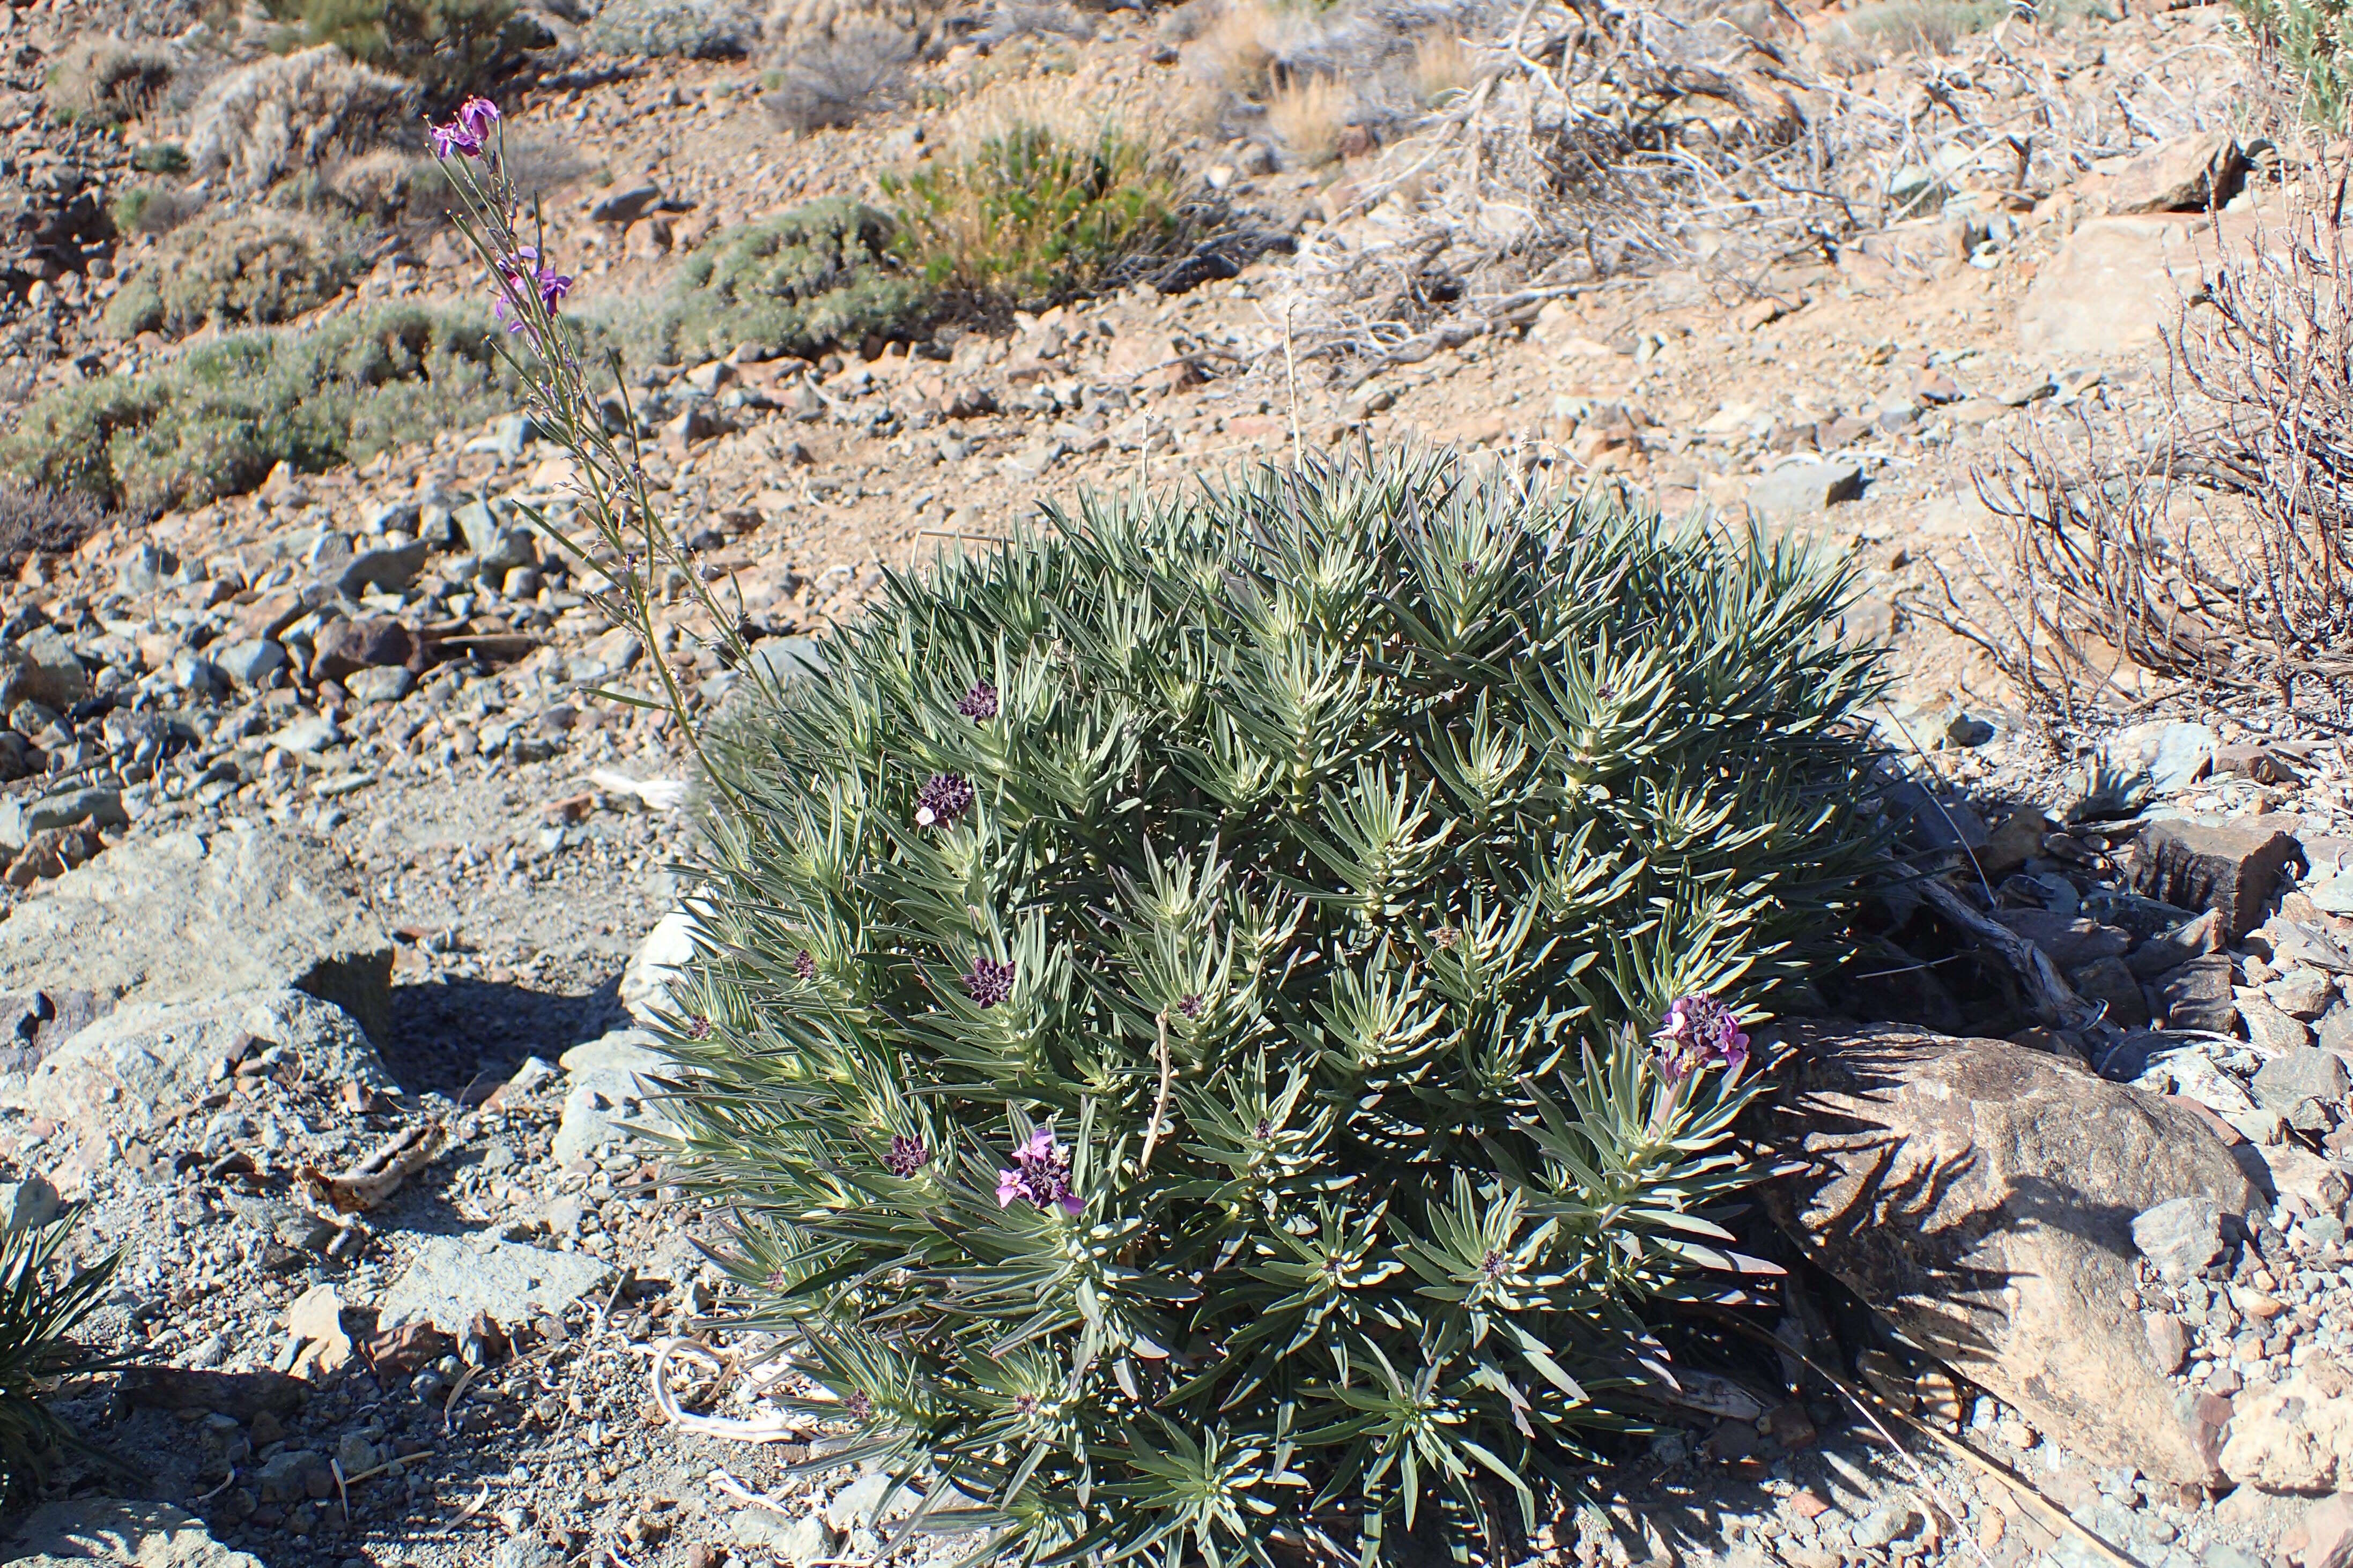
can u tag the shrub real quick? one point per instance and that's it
(1168, 1000)
(153, 209)
(1308, 113)
(249, 266)
(279, 115)
(44, 521)
(838, 80)
(107, 82)
(160, 158)
(444, 46)
(1033, 215)
(41, 1305)
(797, 283)
(2314, 39)
(215, 420)
(696, 30)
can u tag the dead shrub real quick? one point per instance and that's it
(35, 519)
(2221, 557)
(839, 78)
(280, 116)
(107, 82)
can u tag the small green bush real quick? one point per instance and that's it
(1032, 215)
(150, 209)
(448, 46)
(244, 266)
(690, 29)
(1170, 1000)
(160, 158)
(2313, 40)
(42, 1303)
(799, 283)
(215, 420)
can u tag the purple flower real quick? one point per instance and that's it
(988, 981)
(521, 271)
(1191, 1005)
(1700, 1032)
(698, 1029)
(857, 1407)
(942, 799)
(1041, 1175)
(455, 138)
(906, 1157)
(804, 966)
(478, 115)
(978, 703)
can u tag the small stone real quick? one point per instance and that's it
(2285, 1080)
(2017, 840)
(2179, 1236)
(2169, 1339)
(624, 208)
(28, 1204)
(306, 736)
(2270, 1030)
(2170, 950)
(251, 662)
(384, 683)
(565, 1215)
(2189, 173)
(2197, 995)
(452, 1279)
(2158, 758)
(346, 648)
(2230, 868)
(2110, 980)
(1804, 488)
(1966, 729)
(2303, 995)
(388, 570)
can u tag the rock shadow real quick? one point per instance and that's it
(447, 1032)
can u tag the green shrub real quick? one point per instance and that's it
(447, 47)
(1032, 215)
(691, 29)
(240, 267)
(2313, 40)
(216, 419)
(1289, 872)
(150, 209)
(42, 1303)
(799, 283)
(160, 158)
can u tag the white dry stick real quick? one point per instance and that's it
(772, 1428)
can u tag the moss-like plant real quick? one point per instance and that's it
(42, 1303)
(1209, 1015)
(796, 283)
(215, 420)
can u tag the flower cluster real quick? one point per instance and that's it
(521, 273)
(980, 703)
(942, 799)
(468, 131)
(906, 1157)
(1700, 1032)
(988, 981)
(804, 966)
(1041, 1173)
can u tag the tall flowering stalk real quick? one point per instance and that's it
(626, 542)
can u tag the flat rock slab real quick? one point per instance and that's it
(1982, 1195)
(186, 917)
(142, 1064)
(450, 1278)
(119, 1530)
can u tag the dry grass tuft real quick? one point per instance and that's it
(1443, 69)
(1308, 113)
(280, 116)
(838, 80)
(109, 82)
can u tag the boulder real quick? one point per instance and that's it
(1805, 488)
(2230, 868)
(611, 1092)
(389, 569)
(2117, 281)
(134, 1534)
(41, 668)
(187, 916)
(662, 958)
(1983, 1196)
(148, 1062)
(2189, 173)
(372, 642)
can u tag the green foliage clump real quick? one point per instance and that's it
(799, 282)
(1032, 215)
(447, 47)
(215, 420)
(237, 267)
(1288, 872)
(159, 158)
(689, 29)
(2314, 42)
(42, 1303)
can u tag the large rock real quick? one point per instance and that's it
(452, 1279)
(2230, 868)
(2189, 173)
(119, 1530)
(186, 917)
(662, 958)
(151, 1060)
(1982, 1195)
(2117, 281)
(42, 666)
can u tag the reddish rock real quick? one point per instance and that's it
(346, 648)
(2230, 868)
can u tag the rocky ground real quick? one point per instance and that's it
(326, 859)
